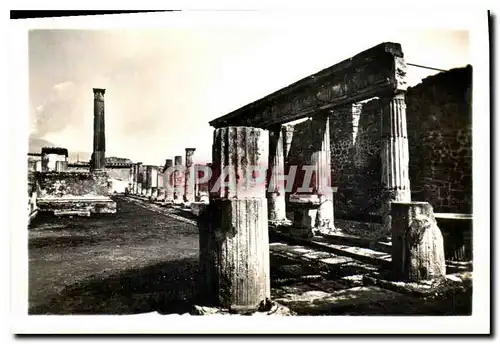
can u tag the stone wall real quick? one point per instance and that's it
(356, 165)
(439, 133)
(68, 184)
(440, 138)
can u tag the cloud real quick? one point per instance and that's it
(63, 86)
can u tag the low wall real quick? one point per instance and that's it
(70, 184)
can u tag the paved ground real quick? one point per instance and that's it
(144, 259)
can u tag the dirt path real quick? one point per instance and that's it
(120, 263)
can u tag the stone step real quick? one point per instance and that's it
(365, 255)
(319, 302)
(372, 256)
(352, 240)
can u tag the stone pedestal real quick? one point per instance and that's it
(189, 177)
(234, 243)
(394, 156)
(161, 194)
(178, 177)
(276, 202)
(417, 243)
(305, 215)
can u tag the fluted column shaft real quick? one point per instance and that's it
(179, 186)
(276, 201)
(321, 161)
(168, 182)
(234, 244)
(189, 179)
(394, 155)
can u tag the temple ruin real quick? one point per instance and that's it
(62, 192)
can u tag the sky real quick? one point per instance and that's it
(163, 86)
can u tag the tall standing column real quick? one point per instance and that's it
(276, 176)
(394, 156)
(154, 183)
(189, 176)
(98, 154)
(320, 159)
(234, 244)
(140, 176)
(178, 180)
(159, 182)
(168, 182)
(149, 170)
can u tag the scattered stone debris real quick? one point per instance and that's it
(267, 307)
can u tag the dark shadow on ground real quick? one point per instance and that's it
(166, 288)
(68, 241)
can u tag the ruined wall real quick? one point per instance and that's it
(68, 184)
(78, 168)
(440, 138)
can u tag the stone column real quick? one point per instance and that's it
(189, 176)
(179, 186)
(137, 178)
(153, 180)
(320, 159)
(98, 155)
(276, 201)
(168, 182)
(394, 156)
(159, 182)
(234, 244)
(417, 243)
(143, 180)
(148, 185)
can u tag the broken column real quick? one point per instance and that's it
(97, 161)
(394, 156)
(179, 186)
(189, 177)
(168, 182)
(417, 243)
(234, 244)
(276, 201)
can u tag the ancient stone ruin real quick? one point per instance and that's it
(349, 142)
(64, 192)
